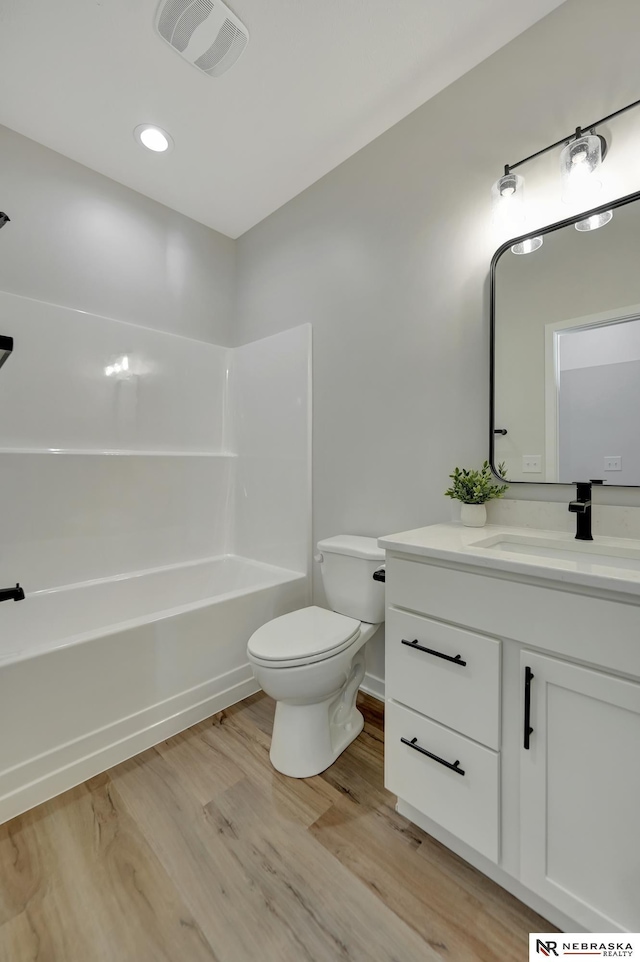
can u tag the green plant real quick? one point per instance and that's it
(476, 487)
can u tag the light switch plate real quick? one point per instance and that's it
(613, 463)
(531, 464)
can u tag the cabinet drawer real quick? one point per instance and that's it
(462, 696)
(466, 805)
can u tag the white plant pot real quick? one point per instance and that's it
(473, 515)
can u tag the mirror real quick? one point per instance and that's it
(565, 371)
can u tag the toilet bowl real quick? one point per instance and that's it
(312, 661)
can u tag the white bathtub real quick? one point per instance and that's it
(94, 673)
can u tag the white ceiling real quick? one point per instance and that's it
(318, 80)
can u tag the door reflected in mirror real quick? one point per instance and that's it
(597, 375)
(566, 354)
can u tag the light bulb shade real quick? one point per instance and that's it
(528, 245)
(595, 221)
(507, 203)
(580, 161)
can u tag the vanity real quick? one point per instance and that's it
(512, 728)
(513, 654)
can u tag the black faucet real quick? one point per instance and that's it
(15, 594)
(581, 507)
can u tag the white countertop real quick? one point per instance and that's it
(455, 542)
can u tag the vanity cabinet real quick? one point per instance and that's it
(557, 822)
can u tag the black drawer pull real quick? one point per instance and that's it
(453, 766)
(414, 644)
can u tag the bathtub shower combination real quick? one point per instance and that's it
(146, 569)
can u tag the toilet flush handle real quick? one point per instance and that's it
(319, 558)
(380, 574)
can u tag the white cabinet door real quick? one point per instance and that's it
(580, 793)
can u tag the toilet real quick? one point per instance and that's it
(311, 661)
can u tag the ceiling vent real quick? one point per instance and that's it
(204, 32)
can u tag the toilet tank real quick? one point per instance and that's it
(347, 565)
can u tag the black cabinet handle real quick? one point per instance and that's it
(414, 644)
(454, 766)
(528, 730)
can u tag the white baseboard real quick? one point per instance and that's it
(39, 779)
(373, 686)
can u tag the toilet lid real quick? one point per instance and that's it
(303, 634)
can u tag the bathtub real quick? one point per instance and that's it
(91, 674)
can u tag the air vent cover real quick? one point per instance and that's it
(204, 32)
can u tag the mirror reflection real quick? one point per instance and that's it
(567, 355)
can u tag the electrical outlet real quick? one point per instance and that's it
(531, 464)
(613, 463)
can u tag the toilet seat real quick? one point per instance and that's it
(302, 637)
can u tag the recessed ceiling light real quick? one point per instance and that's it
(153, 138)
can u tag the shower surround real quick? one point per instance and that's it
(161, 507)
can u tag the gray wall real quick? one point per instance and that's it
(387, 256)
(78, 239)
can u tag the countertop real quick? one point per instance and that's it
(454, 542)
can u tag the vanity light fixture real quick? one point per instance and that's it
(153, 138)
(508, 209)
(580, 161)
(507, 201)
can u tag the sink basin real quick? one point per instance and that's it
(579, 553)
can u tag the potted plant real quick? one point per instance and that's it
(474, 489)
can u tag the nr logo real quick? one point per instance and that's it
(546, 948)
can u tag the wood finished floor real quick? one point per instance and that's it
(197, 851)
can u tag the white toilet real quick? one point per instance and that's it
(311, 661)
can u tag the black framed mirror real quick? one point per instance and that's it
(565, 350)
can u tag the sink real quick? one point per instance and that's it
(578, 553)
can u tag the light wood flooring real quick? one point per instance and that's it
(198, 851)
